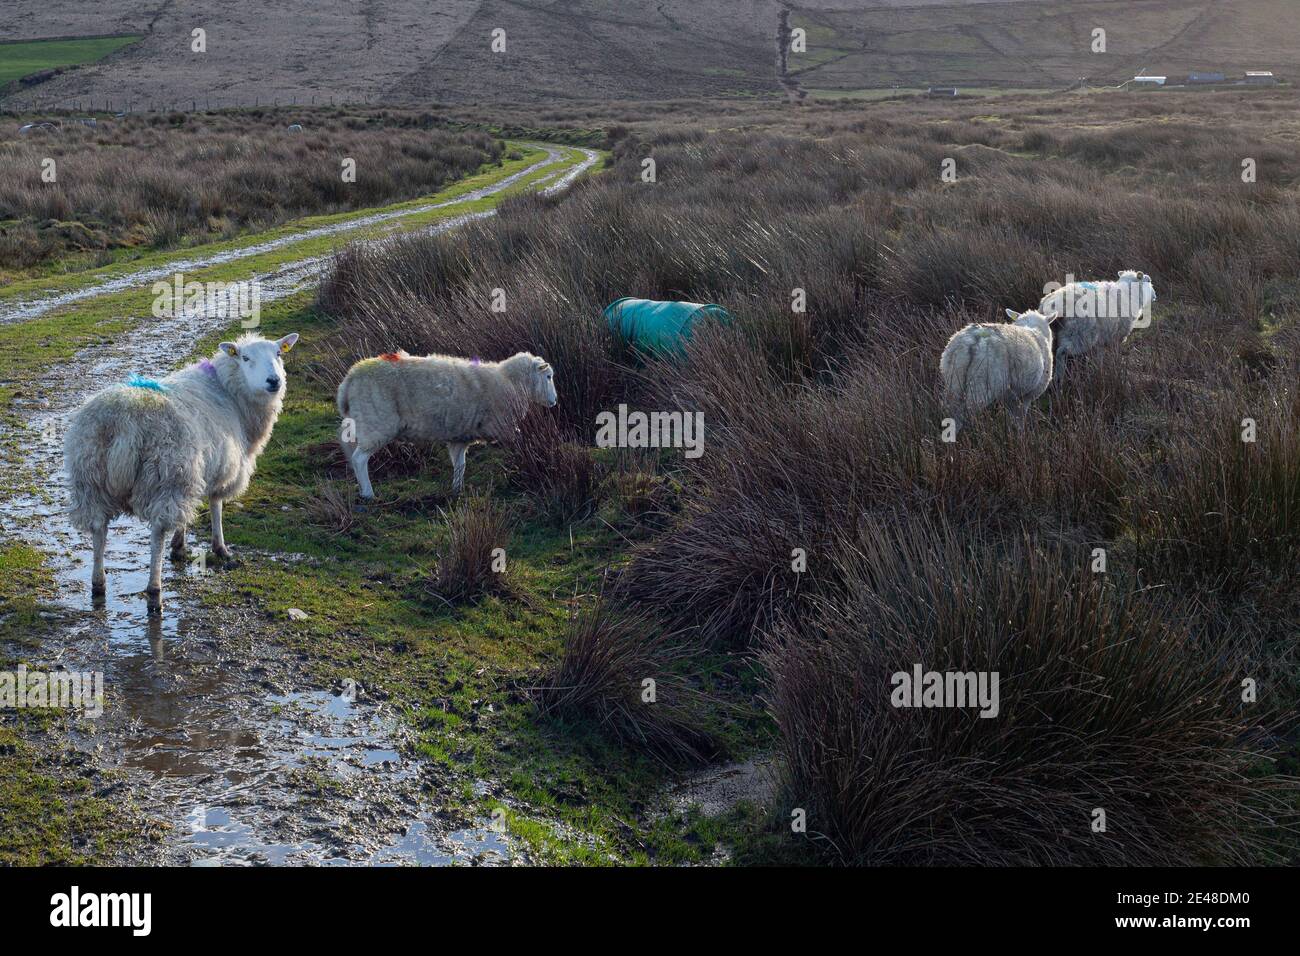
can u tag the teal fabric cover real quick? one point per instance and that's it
(659, 326)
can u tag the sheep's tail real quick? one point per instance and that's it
(964, 368)
(102, 467)
(342, 397)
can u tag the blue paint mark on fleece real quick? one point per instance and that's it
(1090, 286)
(137, 381)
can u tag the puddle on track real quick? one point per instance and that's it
(220, 734)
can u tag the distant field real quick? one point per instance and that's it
(1043, 43)
(22, 59)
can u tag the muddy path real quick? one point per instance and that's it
(218, 733)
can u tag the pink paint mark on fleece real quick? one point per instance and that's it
(207, 366)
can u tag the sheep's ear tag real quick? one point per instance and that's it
(229, 348)
(1012, 315)
(289, 341)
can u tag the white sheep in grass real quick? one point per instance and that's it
(983, 364)
(1097, 315)
(155, 449)
(437, 398)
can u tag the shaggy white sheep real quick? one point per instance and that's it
(437, 398)
(155, 449)
(1096, 314)
(983, 364)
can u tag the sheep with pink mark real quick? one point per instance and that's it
(154, 449)
(437, 398)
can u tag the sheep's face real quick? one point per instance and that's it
(259, 364)
(544, 384)
(1146, 291)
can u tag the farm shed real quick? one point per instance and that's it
(659, 326)
(1151, 80)
(1204, 77)
(1260, 77)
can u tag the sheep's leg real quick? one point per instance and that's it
(1058, 367)
(456, 450)
(98, 580)
(218, 531)
(361, 468)
(158, 534)
(178, 544)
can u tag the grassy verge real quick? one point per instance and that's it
(132, 260)
(50, 814)
(48, 818)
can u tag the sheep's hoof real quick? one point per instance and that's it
(179, 554)
(224, 555)
(98, 589)
(153, 599)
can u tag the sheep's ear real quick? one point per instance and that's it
(230, 348)
(1012, 315)
(288, 342)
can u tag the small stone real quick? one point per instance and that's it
(297, 614)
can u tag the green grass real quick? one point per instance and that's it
(51, 820)
(25, 585)
(27, 57)
(48, 815)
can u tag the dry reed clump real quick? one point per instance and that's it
(626, 677)
(474, 561)
(1104, 701)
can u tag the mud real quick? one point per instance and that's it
(220, 739)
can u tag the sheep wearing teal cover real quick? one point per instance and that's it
(155, 449)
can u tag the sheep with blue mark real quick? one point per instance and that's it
(1097, 315)
(154, 449)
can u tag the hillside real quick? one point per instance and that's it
(408, 51)
(1042, 44)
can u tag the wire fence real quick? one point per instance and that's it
(17, 103)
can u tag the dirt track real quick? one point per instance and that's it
(216, 733)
